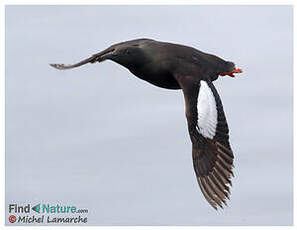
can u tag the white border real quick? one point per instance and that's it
(147, 2)
(118, 2)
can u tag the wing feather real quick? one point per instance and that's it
(209, 132)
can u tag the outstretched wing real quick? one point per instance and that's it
(94, 58)
(208, 129)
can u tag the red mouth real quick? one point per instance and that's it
(231, 74)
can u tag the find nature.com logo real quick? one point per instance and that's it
(22, 214)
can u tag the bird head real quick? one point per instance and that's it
(130, 54)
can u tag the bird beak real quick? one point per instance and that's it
(231, 74)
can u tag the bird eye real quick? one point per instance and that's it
(127, 51)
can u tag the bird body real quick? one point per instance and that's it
(161, 60)
(174, 66)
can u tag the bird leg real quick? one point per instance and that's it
(231, 74)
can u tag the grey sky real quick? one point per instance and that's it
(99, 138)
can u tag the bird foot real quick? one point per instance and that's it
(231, 74)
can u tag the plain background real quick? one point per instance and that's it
(99, 138)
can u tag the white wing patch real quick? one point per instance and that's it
(207, 111)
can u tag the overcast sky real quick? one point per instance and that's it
(99, 138)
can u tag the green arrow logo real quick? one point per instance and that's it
(36, 208)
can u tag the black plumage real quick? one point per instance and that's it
(175, 66)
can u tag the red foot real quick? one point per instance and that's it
(231, 74)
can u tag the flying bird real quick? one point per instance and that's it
(174, 66)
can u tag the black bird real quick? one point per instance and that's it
(173, 66)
